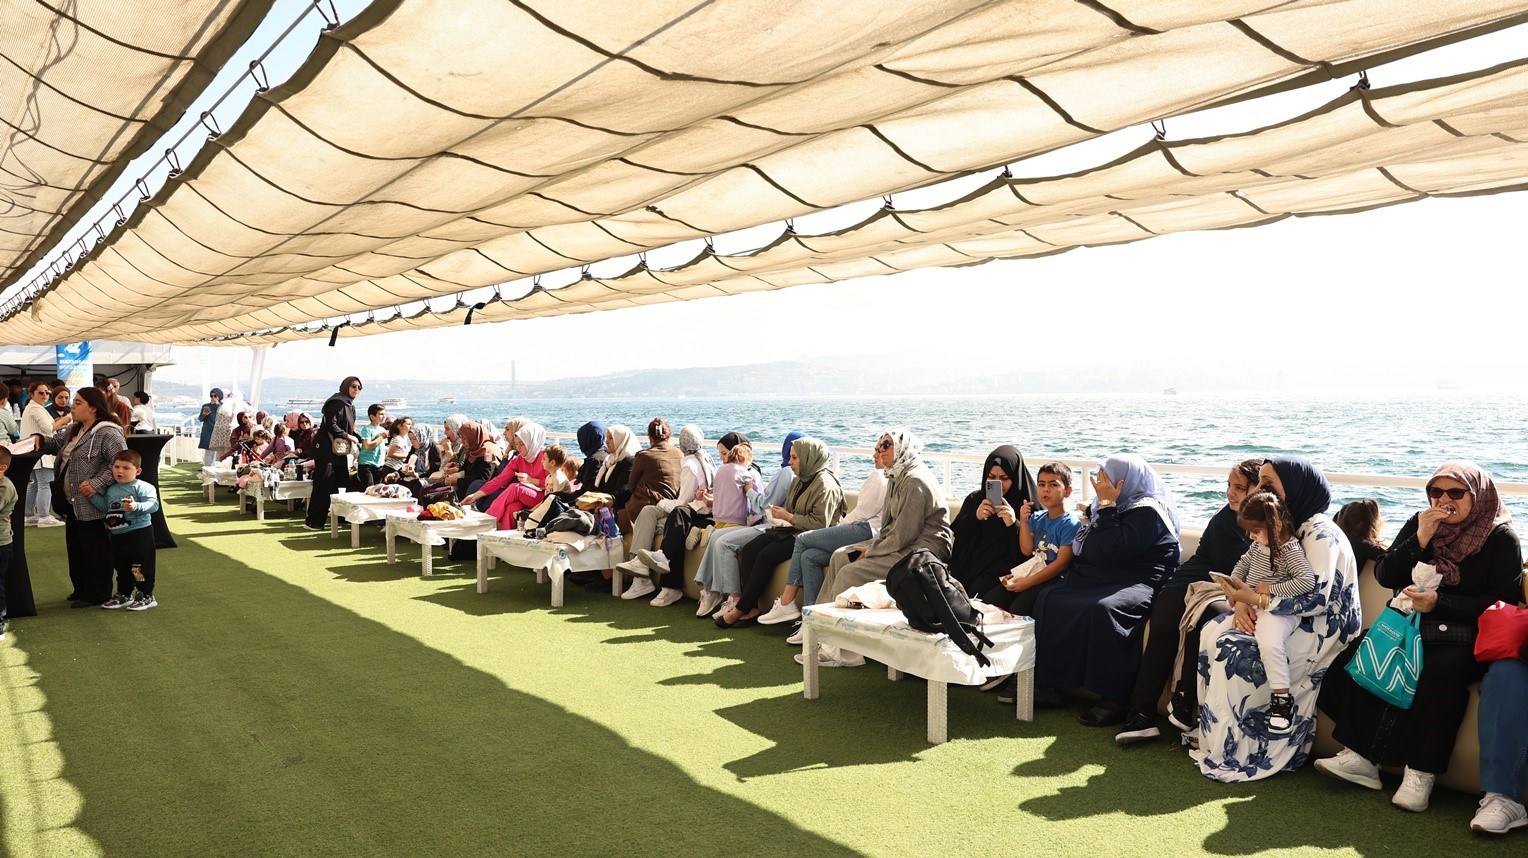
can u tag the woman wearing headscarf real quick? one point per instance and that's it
(654, 477)
(815, 501)
(591, 442)
(240, 435)
(695, 472)
(1465, 533)
(481, 457)
(987, 539)
(331, 470)
(719, 578)
(614, 475)
(685, 526)
(303, 435)
(1088, 627)
(1222, 543)
(914, 516)
(85, 450)
(1232, 735)
(522, 482)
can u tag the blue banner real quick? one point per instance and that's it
(74, 365)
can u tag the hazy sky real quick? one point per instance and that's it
(1422, 291)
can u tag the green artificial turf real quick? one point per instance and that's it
(294, 696)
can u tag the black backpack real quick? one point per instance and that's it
(934, 602)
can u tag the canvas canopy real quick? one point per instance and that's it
(435, 146)
(87, 86)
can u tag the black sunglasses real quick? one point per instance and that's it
(1453, 494)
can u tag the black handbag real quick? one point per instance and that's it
(1462, 634)
(60, 503)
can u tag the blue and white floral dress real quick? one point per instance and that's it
(1234, 742)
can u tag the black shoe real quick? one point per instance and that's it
(1008, 691)
(996, 682)
(1139, 727)
(1106, 713)
(83, 603)
(1181, 715)
(1048, 697)
(1281, 715)
(582, 578)
(598, 585)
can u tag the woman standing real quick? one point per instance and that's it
(36, 420)
(143, 415)
(1088, 627)
(1465, 533)
(1233, 737)
(331, 469)
(209, 420)
(85, 450)
(987, 537)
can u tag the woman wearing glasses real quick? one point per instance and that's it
(37, 420)
(1465, 533)
(331, 463)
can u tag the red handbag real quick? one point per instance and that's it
(1503, 629)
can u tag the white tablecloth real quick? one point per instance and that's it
(431, 532)
(359, 508)
(216, 476)
(548, 559)
(286, 490)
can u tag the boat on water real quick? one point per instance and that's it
(446, 400)
(304, 403)
(393, 402)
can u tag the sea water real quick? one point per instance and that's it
(1405, 435)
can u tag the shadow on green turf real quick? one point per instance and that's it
(267, 721)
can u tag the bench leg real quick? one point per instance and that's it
(389, 535)
(809, 666)
(557, 582)
(1024, 700)
(484, 561)
(615, 582)
(893, 674)
(334, 524)
(938, 712)
(355, 534)
(260, 507)
(427, 559)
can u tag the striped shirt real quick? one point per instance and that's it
(1291, 576)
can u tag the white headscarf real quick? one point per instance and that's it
(625, 445)
(533, 436)
(905, 451)
(692, 443)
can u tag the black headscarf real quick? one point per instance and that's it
(339, 411)
(1306, 491)
(985, 550)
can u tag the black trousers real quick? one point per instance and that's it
(89, 549)
(1421, 737)
(330, 474)
(676, 529)
(134, 548)
(1020, 604)
(757, 561)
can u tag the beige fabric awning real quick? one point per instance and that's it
(87, 87)
(435, 146)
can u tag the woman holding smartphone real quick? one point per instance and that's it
(1466, 534)
(986, 529)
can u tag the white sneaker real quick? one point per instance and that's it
(1416, 789)
(692, 539)
(634, 568)
(709, 599)
(31, 521)
(830, 657)
(780, 613)
(639, 588)
(667, 596)
(724, 607)
(654, 560)
(795, 638)
(142, 603)
(1351, 767)
(1499, 814)
(49, 521)
(118, 601)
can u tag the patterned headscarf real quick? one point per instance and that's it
(1453, 543)
(1142, 487)
(626, 446)
(906, 450)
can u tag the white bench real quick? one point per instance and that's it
(429, 533)
(549, 559)
(884, 636)
(359, 508)
(215, 476)
(290, 491)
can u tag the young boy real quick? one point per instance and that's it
(128, 503)
(7, 504)
(1047, 533)
(368, 461)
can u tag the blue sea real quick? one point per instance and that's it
(1402, 435)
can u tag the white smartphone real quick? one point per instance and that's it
(1220, 575)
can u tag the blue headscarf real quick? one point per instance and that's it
(591, 437)
(785, 449)
(1142, 487)
(1306, 491)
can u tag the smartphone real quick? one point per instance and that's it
(995, 493)
(1220, 575)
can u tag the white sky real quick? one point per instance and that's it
(1424, 290)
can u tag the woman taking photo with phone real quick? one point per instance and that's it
(986, 530)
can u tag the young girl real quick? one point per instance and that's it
(400, 445)
(570, 471)
(555, 459)
(279, 448)
(1361, 521)
(1275, 565)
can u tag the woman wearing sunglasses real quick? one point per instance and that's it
(1466, 534)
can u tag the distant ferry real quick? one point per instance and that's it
(393, 402)
(1169, 391)
(304, 403)
(446, 400)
